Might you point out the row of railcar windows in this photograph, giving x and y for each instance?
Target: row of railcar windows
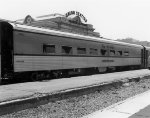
(51, 49)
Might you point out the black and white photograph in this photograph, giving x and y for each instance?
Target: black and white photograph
(75, 59)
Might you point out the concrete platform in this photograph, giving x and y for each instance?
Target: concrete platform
(23, 93)
(135, 107)
(33, 89)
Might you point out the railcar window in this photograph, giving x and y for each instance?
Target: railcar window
(126, 53)
(120, 53)
(112, 52)
(48, 48)
(103, 52)
(81, 50)
(67, 50)
(93, 51)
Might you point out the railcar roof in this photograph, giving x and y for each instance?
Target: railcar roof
(67, 34)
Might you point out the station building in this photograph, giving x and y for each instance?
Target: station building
(72, 21)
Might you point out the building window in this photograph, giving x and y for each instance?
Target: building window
(48, 48)
(81, 50)
(93, 51)
(103, 52)
(67, 50)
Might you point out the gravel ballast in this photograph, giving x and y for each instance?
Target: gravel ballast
(80, 103)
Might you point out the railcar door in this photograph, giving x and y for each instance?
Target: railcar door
(6, 39)
(144, 57)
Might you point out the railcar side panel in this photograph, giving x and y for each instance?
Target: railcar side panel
(29, 56)
(37, 63)
(40, 63)
(31, 43)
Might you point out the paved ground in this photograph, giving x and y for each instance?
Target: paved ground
(31, 89)
(135, 107)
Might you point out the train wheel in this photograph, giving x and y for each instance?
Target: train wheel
(48, 76)
(102, 69)
(57, 74)
(66, 74)
(111, 69)
(34, 76)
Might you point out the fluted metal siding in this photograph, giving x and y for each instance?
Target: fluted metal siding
(35, 63)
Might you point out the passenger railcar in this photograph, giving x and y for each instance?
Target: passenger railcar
(35, 53)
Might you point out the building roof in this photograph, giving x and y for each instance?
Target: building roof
(62, 23)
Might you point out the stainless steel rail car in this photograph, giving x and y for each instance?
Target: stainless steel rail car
(34, 52)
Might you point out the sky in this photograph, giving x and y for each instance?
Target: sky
(113, 19)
